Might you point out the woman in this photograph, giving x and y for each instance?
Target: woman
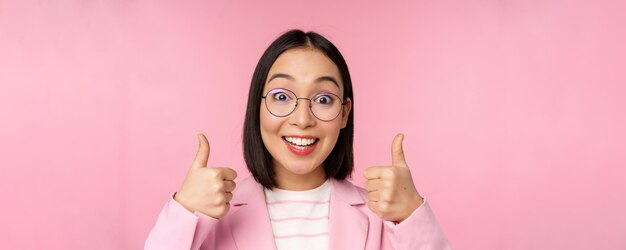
(298, 136)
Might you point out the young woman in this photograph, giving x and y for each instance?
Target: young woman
(298, 136)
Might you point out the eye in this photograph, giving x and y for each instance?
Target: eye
(281, 96)
(324, 99)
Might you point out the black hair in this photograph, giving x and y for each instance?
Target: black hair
(339, 164)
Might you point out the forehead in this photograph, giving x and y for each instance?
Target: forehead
(305, 65)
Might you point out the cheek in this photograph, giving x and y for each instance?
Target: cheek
(265, 124)
(269, 124)
(333, 129)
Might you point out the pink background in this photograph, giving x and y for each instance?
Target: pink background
(514, 111)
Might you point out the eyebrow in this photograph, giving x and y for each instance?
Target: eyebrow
(291, 78)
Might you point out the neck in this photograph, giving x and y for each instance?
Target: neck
(299, 182)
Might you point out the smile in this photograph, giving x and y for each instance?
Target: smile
(300, 145)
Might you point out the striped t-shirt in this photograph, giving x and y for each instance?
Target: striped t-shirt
(299, 218)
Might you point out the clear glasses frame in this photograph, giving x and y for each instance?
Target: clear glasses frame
(297, 101)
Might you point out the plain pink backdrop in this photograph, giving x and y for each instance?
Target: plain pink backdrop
(514, 111)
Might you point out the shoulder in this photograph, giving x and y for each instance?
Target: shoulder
(247, 190)
(248, 182)
(362, 191)
(349, 192)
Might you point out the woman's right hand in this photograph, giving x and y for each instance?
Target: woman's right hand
(207, 190)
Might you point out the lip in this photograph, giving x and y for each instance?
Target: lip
(301, 136)
(298, 151)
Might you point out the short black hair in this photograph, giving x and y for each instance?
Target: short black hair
(340, 163)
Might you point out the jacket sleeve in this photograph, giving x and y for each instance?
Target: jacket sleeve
(178, 228)
(419, 231)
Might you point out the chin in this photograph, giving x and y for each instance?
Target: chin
(301, 168)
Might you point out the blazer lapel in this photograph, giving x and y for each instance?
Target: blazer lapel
(250, 223)
(347, 225)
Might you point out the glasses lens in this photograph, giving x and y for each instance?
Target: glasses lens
(280, 102)
(326, 106)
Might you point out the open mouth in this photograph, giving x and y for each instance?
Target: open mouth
(300, 145)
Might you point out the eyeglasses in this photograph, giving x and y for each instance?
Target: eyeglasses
(282, 102)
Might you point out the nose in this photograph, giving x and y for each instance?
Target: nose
(302, 116)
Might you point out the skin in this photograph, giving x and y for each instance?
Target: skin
(391, 192)
(304, 66)
(207, 189)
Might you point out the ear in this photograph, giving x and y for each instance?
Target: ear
(346, 112)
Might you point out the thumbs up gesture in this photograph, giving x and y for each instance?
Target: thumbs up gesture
(391, 192)
(207, 190)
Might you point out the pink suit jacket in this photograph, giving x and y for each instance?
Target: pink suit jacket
(247, 225)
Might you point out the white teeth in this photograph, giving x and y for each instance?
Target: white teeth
(300, 141)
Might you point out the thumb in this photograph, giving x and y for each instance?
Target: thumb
(397, 154)
(202, 157)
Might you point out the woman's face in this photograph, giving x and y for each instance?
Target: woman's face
(306, 72)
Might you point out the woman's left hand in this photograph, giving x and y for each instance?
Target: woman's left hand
(391, 192)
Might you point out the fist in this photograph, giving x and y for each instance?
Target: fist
(207, 190)
(391, 192)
